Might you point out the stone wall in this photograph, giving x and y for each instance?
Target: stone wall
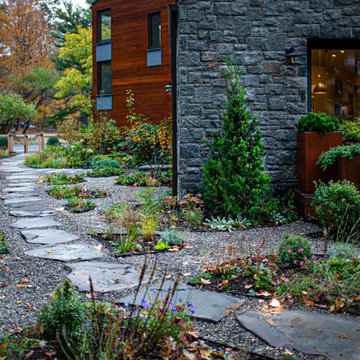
(258, 32)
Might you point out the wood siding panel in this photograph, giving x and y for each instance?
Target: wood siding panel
(129, 36)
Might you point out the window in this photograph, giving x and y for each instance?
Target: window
(335, 82)
(104, 21)
(104, 71)
(154, 31)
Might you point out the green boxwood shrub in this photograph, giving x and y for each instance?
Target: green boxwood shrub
(294, 250)
(337, 206)
(350, 131)
(319, 122)
(53, 141)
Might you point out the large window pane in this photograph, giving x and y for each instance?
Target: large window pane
(154, 31)
(335, 82)
(104, 69)
(104, 25)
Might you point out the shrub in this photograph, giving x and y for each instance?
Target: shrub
(235, 181)
(171, 237)
(106, 163)
(149, 143)
(345, 251)
(3, 142)
(294, 250)
(53, 141)
(64, 312)
(350, 130)
(319, 122)
(329, 157)
(337, 206)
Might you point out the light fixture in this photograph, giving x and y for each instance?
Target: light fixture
(320, 88)
(168, 88)
(333, 55)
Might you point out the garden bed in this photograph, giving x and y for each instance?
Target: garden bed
(109, 242)
(79, 209)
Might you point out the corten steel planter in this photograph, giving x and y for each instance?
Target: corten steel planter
(349, 169)
(309, 146)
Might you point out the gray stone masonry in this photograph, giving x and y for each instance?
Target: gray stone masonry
(258, 32)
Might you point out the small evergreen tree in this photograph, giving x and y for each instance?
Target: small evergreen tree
(234, 180)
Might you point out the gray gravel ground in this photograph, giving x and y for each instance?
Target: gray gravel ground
(18, 303)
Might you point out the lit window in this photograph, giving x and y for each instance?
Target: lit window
(104, 25)
(335, 82)
(104, 70)
(154, 31)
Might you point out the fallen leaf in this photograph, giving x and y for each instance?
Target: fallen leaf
(342, 336)
(29, 354)
(247, 287)
(7, 269)
(275, 303)
(20, 285)
(270, 321)
(42, 343)
(19, 302)
(28, 309)
(287, 352)
(50, 251)
(205, 281)
(185, 263)
(186, 274)
(25, 280)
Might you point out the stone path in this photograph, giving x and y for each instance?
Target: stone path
(35, 220)
(312, 333)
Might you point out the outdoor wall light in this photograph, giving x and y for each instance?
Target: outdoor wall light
(292, 54)
(168, 88)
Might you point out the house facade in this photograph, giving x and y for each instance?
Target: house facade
(296, 56)
(131, 52)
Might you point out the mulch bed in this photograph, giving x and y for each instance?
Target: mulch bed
(149, 246)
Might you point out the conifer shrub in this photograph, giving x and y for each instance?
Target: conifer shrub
(234, 179)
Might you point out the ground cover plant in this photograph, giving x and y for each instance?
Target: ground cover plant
(235, 182)
(3, 247)
(64, 192)
(63, 179)
(79, 204)
(155, 178)
(351, 130)
(329, 157)
(294, 275)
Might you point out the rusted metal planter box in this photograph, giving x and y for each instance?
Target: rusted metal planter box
(349, 169)
(309, 146)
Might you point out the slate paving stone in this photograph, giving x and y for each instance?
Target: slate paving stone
(20, 189)
(28, 212)
(21, 202)
(48, 236)
(67, 252)
(312, 333)
(24, 178)
(20, 185)
(209, 306)
(105, 276)
(16, 195)
(35, 223)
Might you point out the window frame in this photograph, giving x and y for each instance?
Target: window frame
(150, 47)
(325, 44)
(99, 73)
(99, 27)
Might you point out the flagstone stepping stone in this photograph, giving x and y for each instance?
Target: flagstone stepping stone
(48, 236)
(20, 202)
(312, 333)
(68, 252)
(105, 276)
(20, 189)
(16, 195)
(208, 305)
(34, 223)
(20, 185)
(29, 212)
(18, 178)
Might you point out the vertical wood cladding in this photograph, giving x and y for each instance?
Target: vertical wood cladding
(130, 42)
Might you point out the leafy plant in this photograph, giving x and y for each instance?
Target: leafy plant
(171, 237)
(234, 178)
(63, 179)
(149, 226)
(191, 210)
(105, 172)
(78, 204)
(103, 163)
(329, 157)
(64, 313)
(65, 191)
(129, 242)
(162, 245)
(132, 179)
(3, 142)
(53, 141)
(318, 122)
(294, 251)
(350, 130)
(337, 206)
(3, 247)
(345, 251)
(220, 224)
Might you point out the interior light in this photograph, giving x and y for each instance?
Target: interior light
(342, 51)
(333, 55)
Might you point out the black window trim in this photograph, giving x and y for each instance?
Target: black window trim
(99, 26)
(330, 44)
(153, 48)
(99, 78)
